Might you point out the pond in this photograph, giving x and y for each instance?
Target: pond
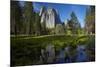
(64, 55)
(52, 50)
(81, 54)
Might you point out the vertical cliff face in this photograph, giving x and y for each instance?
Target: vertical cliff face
(49, 17)
(42, 14)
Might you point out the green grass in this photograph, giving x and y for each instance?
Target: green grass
(25, 50)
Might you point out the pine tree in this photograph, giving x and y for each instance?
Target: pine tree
(28, 18)
(37, 25)
(90, 20)
(59, 29)
(73, 24)
(16, 16)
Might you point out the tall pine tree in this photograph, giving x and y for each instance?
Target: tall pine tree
(16, 16)
(73, 24)
(90, 20)
(37, 24)
(28, 18)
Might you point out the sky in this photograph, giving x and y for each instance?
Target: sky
(64, 10)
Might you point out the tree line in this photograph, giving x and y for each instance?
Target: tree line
(24, 20)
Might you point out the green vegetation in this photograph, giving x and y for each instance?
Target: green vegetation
(24, 20)
(90, 20)
(26, 50)
(29, 35)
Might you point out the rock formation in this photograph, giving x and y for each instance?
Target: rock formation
(49, 17)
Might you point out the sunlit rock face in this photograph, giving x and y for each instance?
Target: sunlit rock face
(49, 17)
(42, 14)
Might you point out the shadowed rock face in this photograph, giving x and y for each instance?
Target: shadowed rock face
(50, 17)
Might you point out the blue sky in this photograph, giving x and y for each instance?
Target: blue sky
(64, 10)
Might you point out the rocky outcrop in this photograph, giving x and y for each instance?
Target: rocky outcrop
(49, 17)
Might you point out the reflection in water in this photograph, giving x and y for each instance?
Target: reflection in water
(48, 55)
(61, 57)
(81, 53)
